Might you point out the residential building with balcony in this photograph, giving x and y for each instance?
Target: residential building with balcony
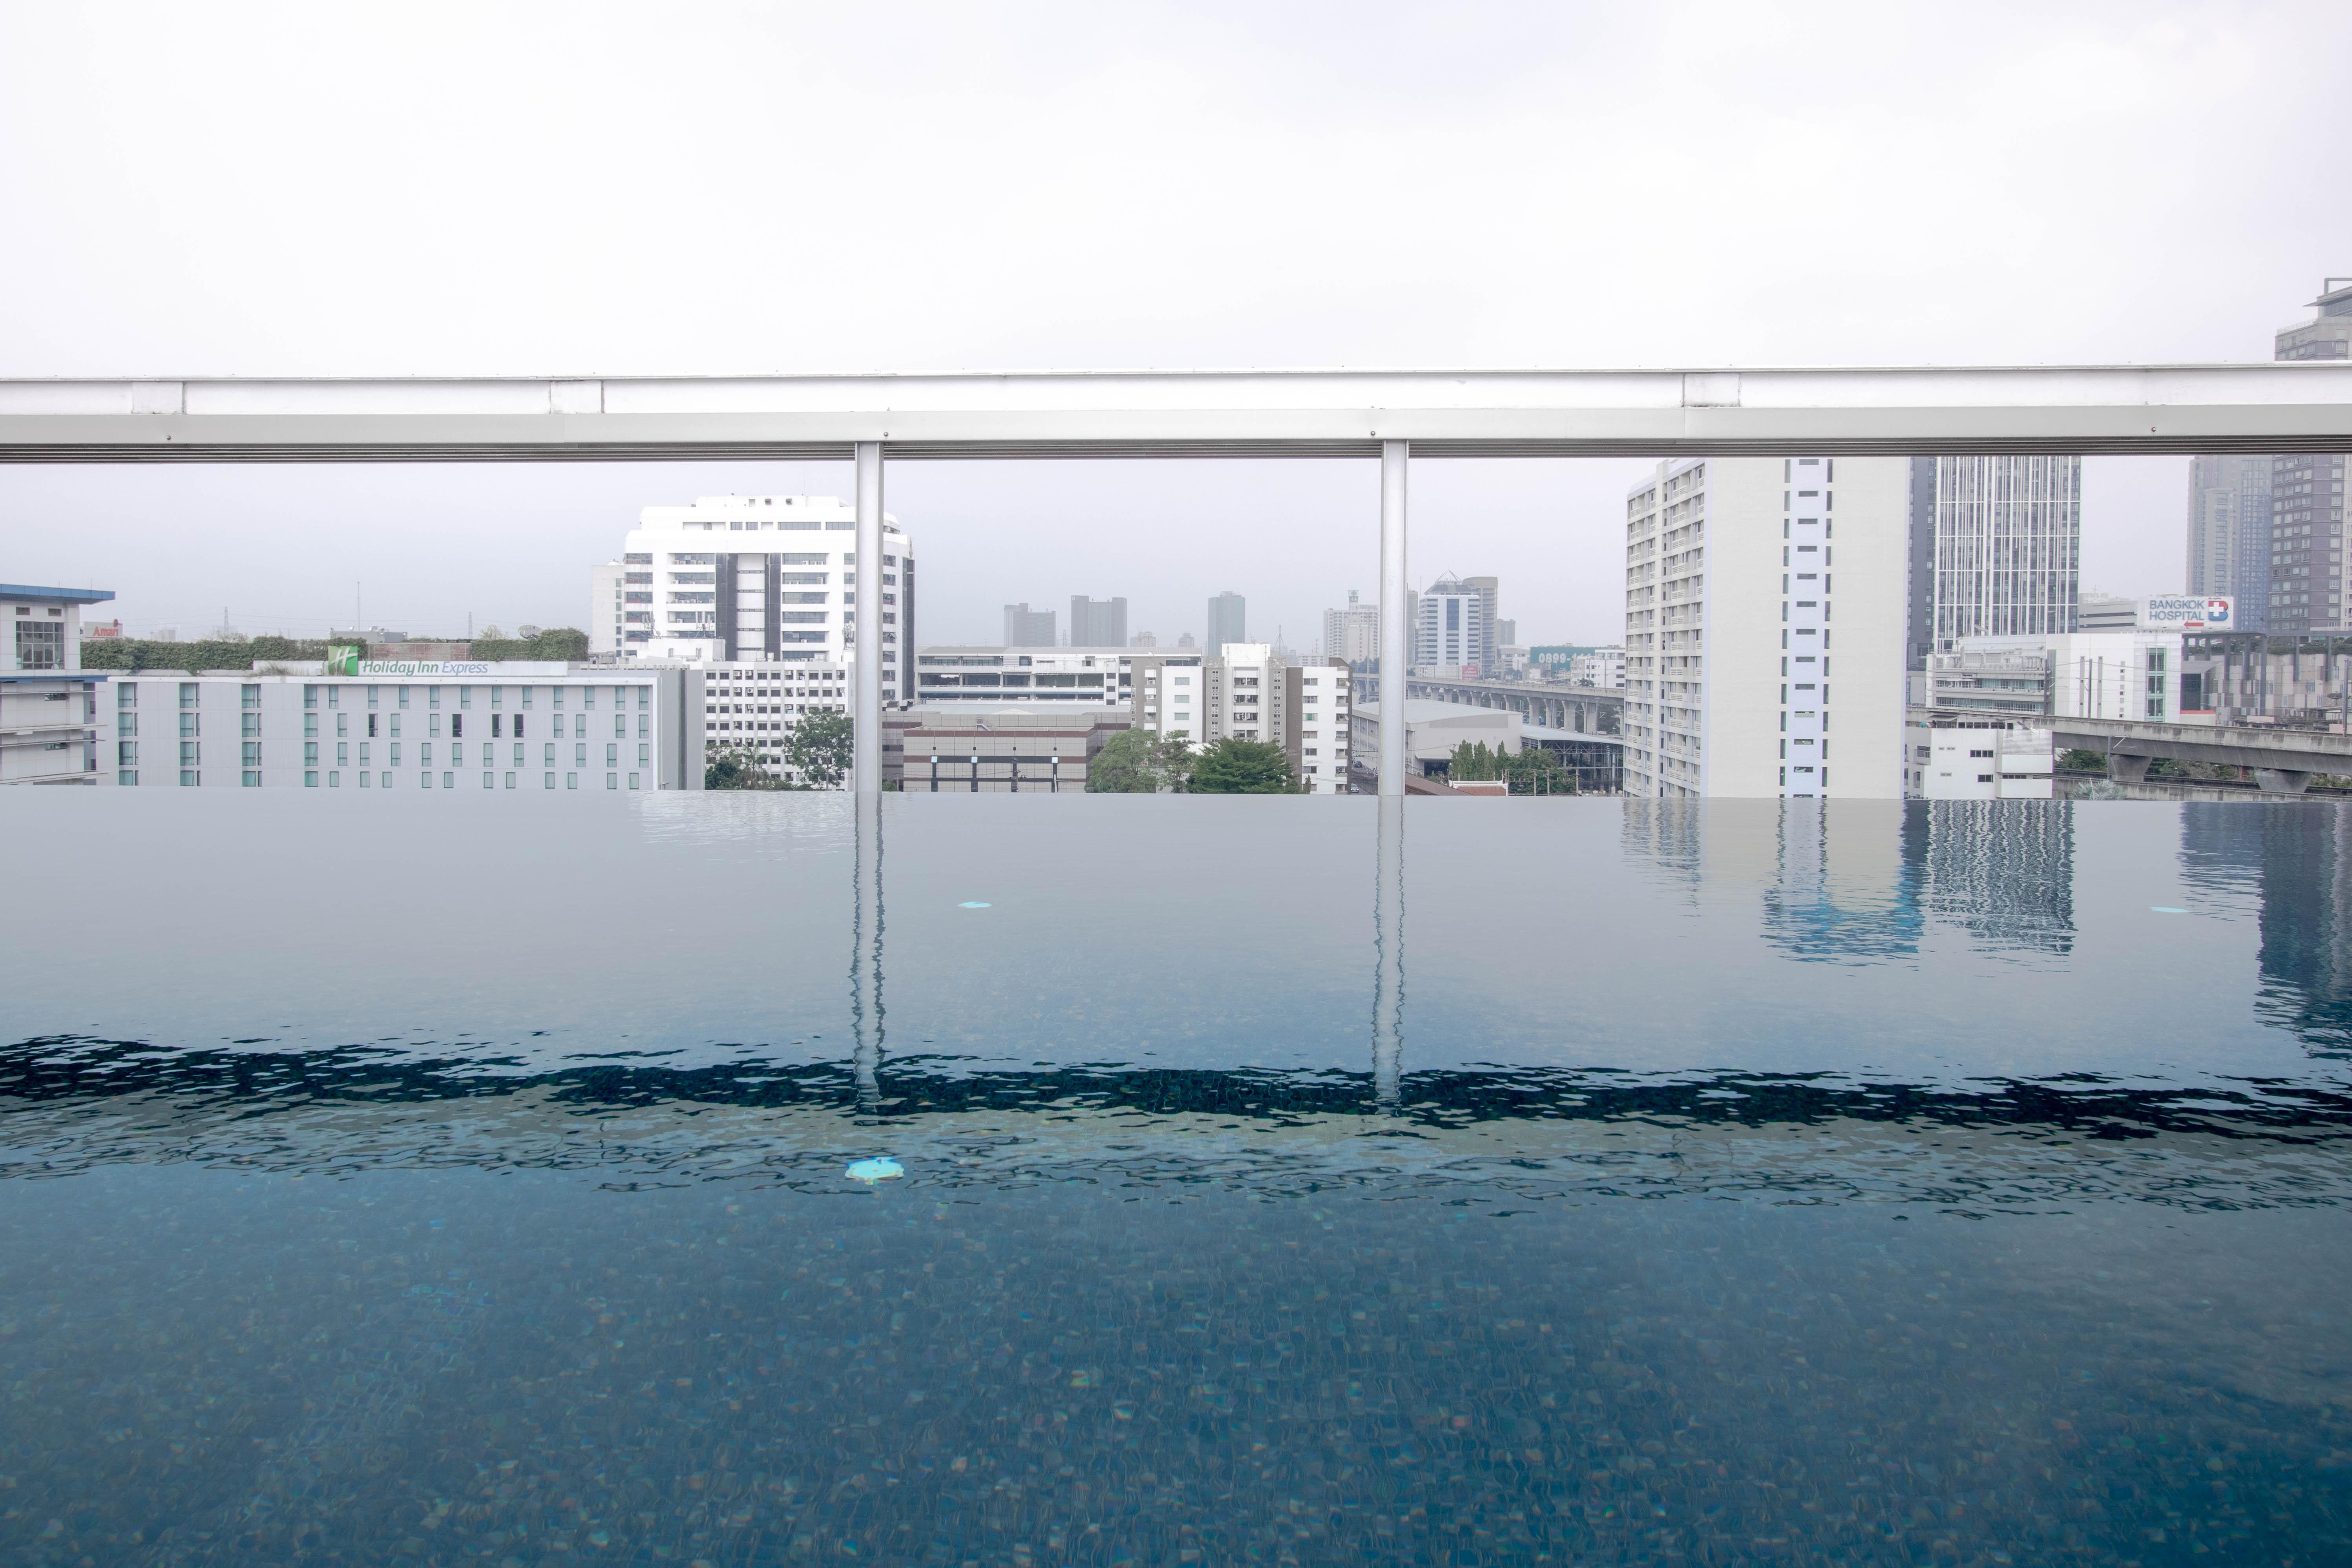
(1765, 625)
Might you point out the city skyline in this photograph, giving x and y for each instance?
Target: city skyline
(1239, 110)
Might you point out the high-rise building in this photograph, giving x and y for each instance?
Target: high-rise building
(1729, 639)
(1453, 634)
(2000, 542)
(1228, 620)
(1490, 597)
(1354, 633)
(2229, 535)
(739, 579)
(1097, 623)
(1026, 628)
(1507, 633)
(2310, 582)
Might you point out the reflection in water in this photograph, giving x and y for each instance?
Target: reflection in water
(1860, 881)
(2298, 855)
(2003, 871)
(865, 1006)
(1848, 885)
(1388, 957)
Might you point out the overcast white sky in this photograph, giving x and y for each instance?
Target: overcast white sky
(605, 189)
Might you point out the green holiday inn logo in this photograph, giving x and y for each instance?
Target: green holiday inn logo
(343, 658)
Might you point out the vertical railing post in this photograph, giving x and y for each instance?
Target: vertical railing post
(1388, 950)
(1395, 633)
(865, 649)
(867, 1017)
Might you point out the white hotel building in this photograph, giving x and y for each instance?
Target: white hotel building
(691, 586)
(545, 729)
(1760, 662)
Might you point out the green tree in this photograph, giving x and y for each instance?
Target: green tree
(1530, 770)
(1172, 758)
(823, 749)
(1533, 770)
(2081, 762)
(1124, 765)
(734, 768)
(1242, 767)
(1471, 763)
(1137, 762)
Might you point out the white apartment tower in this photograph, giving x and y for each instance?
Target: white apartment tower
(1737, 610)
(691, 585)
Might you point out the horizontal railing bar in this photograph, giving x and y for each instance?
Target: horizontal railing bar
(2251, 408)
(986, 451)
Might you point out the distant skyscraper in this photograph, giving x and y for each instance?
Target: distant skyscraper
(2006, 540)
(1490, 595)
(2229, 535)
(1145, 639)
(1228, 620)
(1353, 633)
(2309, 589)
(1452, 630)
(1185, 640)
(1026, 628)
(1097, 623)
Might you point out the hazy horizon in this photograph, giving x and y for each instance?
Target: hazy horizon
(603, 190)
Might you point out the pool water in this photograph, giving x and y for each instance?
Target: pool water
(1010, 1180)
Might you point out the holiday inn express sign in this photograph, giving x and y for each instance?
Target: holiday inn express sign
(343, 658)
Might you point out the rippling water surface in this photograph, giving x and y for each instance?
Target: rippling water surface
(439, 1181)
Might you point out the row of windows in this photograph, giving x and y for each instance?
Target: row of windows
(191, 695)
(190, 754)
(251, 779)
(502, 725)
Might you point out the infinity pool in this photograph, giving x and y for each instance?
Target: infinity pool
(1240, 1180)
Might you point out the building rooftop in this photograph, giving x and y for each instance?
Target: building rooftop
(55, 595)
